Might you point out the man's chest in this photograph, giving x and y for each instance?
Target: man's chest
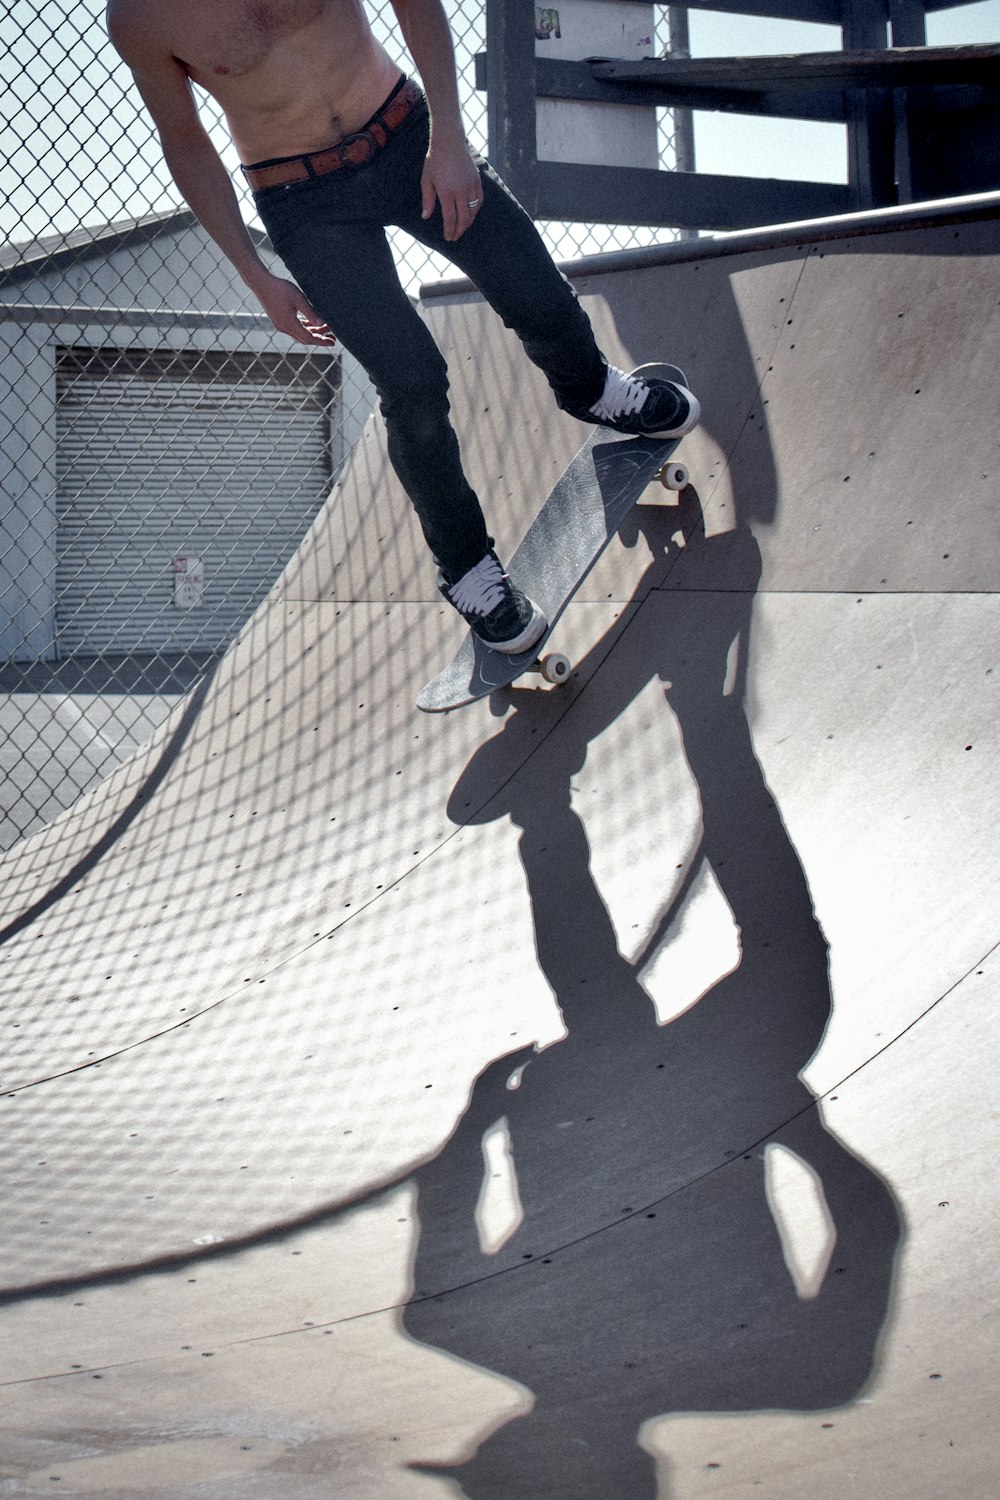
(236, 36)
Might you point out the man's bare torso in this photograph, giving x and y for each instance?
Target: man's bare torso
(290, 75)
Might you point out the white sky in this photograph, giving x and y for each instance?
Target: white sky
(77, 148)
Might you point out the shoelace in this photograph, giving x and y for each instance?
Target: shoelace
(622, 395)
(481, 589)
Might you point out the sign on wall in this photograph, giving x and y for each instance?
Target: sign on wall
(189, 582)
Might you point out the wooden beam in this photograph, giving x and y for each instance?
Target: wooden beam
(679, 200)
(823, 11)
(871, 122)
(575, 80)
(510, 83)
(894, 67)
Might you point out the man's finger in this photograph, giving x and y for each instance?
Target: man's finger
(449, 216)
(467, 206)
(464, 220)
(305, 330)
(309, 327)
(318, 331)
(306, 334)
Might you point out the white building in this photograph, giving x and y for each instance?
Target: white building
(162, 449)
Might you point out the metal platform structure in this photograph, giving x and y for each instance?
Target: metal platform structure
(921, 122)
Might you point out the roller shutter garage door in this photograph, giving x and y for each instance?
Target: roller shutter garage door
(163, 455)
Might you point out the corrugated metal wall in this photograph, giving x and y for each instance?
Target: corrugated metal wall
(157, 452)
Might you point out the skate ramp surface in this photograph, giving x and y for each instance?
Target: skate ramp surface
(593, 1092)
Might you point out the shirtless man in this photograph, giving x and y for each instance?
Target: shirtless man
(337, 144)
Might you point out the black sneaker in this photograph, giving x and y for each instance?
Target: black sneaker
(646, 407)
(494, 608)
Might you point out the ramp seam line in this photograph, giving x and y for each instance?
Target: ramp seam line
(178, 1259)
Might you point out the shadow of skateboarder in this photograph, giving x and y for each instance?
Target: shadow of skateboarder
(646, 1274)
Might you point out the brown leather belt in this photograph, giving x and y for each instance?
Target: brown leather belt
(354, 150)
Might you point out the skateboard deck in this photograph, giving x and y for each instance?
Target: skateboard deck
(588, 503)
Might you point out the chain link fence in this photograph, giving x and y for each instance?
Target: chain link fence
(162, 450)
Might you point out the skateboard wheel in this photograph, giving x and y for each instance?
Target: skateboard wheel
(673, 476)
(554, 667)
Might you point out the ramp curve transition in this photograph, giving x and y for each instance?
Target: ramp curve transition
(591, 1093)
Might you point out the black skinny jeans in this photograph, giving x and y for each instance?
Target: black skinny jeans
(330, 233)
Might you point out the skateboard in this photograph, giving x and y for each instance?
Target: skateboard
(588, 503)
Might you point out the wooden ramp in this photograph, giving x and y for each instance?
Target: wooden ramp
(592, 1093)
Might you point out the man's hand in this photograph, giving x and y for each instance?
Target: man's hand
(290, 312)
(451, 178)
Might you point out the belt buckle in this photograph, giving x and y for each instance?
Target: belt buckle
(367, 139)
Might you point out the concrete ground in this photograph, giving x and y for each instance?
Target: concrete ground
(591, 1093)
(65, 726)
